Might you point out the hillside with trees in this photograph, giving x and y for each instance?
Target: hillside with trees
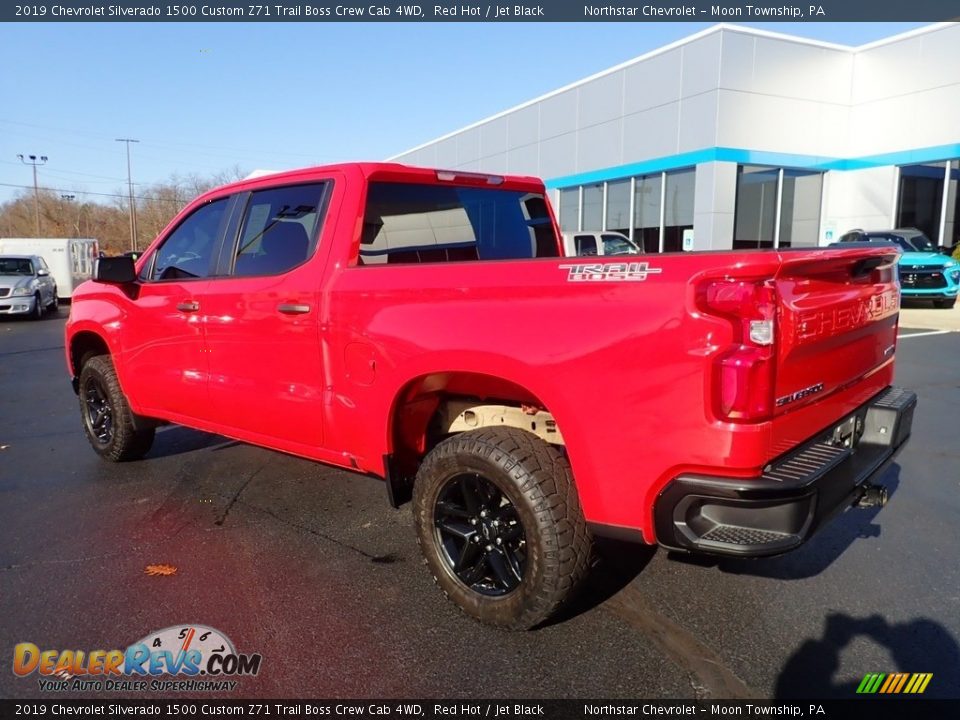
(79, 214)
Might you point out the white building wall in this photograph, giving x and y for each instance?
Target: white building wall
(750, 97)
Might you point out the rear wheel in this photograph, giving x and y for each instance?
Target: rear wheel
(500, 526)
(107, 419)
(54, 305)
(945, 303)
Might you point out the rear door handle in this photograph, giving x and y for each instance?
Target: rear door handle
(191, 306)
(293, 309)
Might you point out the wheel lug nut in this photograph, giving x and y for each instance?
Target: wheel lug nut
(489, 548)
(473, 521)
(499, 541)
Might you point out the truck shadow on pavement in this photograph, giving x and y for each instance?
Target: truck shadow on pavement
(178, 440)
(815, 556)
(615, 565)
(920, 645)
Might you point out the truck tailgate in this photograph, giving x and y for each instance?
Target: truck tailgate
(837, 322)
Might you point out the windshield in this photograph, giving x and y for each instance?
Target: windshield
(15, 266)
(920, 243)
(615, 245)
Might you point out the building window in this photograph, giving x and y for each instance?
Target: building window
(760, 223)
(618, 206)
(800, 208)
(951, 222)
(923, 204)
(569, 209)
(678, 208)
(592, 207)
(756, 209)
(646, 212)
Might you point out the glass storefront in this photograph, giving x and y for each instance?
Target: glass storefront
(661, 206)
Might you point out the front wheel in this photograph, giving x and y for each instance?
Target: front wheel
(107, 419)
(499, 523)
(37, 312)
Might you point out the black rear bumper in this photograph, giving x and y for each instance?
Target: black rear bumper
(796, 494)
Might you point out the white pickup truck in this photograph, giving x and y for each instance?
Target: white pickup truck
(606, 242)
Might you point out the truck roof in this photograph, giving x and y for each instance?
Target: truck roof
(367, 169)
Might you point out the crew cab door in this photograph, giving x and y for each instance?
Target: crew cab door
(164, 364)
(262, 320)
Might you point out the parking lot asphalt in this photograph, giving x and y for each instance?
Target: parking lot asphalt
(308, 566)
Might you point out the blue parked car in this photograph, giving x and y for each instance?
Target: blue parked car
(925, 274)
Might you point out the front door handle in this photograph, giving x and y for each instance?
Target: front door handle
(293, 309)
(191, 306)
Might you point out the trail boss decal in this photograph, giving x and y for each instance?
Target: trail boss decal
(613, 272)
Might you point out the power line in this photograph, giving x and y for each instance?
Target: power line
(89, 192)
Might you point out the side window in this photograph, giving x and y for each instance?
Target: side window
(585, 244)
(420, 223)
(188, 251)
(279, 230)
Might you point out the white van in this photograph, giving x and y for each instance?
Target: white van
(598, 243)
(70, 260)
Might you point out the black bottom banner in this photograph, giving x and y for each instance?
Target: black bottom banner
(869, 709)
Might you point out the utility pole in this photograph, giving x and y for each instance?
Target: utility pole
(34, 161)
(70, 199)
(133, 207)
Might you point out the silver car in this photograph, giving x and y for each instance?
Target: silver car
(26, 287)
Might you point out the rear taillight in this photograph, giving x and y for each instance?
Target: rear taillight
(742, 385)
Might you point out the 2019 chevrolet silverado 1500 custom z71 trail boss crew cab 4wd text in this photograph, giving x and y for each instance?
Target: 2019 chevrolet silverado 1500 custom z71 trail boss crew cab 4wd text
(421, 326)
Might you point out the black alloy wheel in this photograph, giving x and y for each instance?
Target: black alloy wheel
(114, 432)
(499, 524)
(99, 412)
(481, 535)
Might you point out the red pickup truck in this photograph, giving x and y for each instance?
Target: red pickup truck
(421, 326)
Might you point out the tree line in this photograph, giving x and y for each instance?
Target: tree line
(72, 214)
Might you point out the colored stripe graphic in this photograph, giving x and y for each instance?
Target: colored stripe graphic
(894, 683)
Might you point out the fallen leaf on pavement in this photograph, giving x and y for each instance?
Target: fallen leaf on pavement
(160, 570)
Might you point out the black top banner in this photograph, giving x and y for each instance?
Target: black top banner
(467, 11)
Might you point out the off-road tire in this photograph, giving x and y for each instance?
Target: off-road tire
(535, 478)
(126, 441)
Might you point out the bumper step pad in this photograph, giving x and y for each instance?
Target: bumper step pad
(794, 495)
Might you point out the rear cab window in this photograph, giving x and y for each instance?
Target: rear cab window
(585, 244)
(408, 223)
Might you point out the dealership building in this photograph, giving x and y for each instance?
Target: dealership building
(738, 137)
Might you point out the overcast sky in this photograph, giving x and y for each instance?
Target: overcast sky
(204, 97)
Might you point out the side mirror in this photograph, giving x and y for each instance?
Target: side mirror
(115, 270)
(42, 273)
